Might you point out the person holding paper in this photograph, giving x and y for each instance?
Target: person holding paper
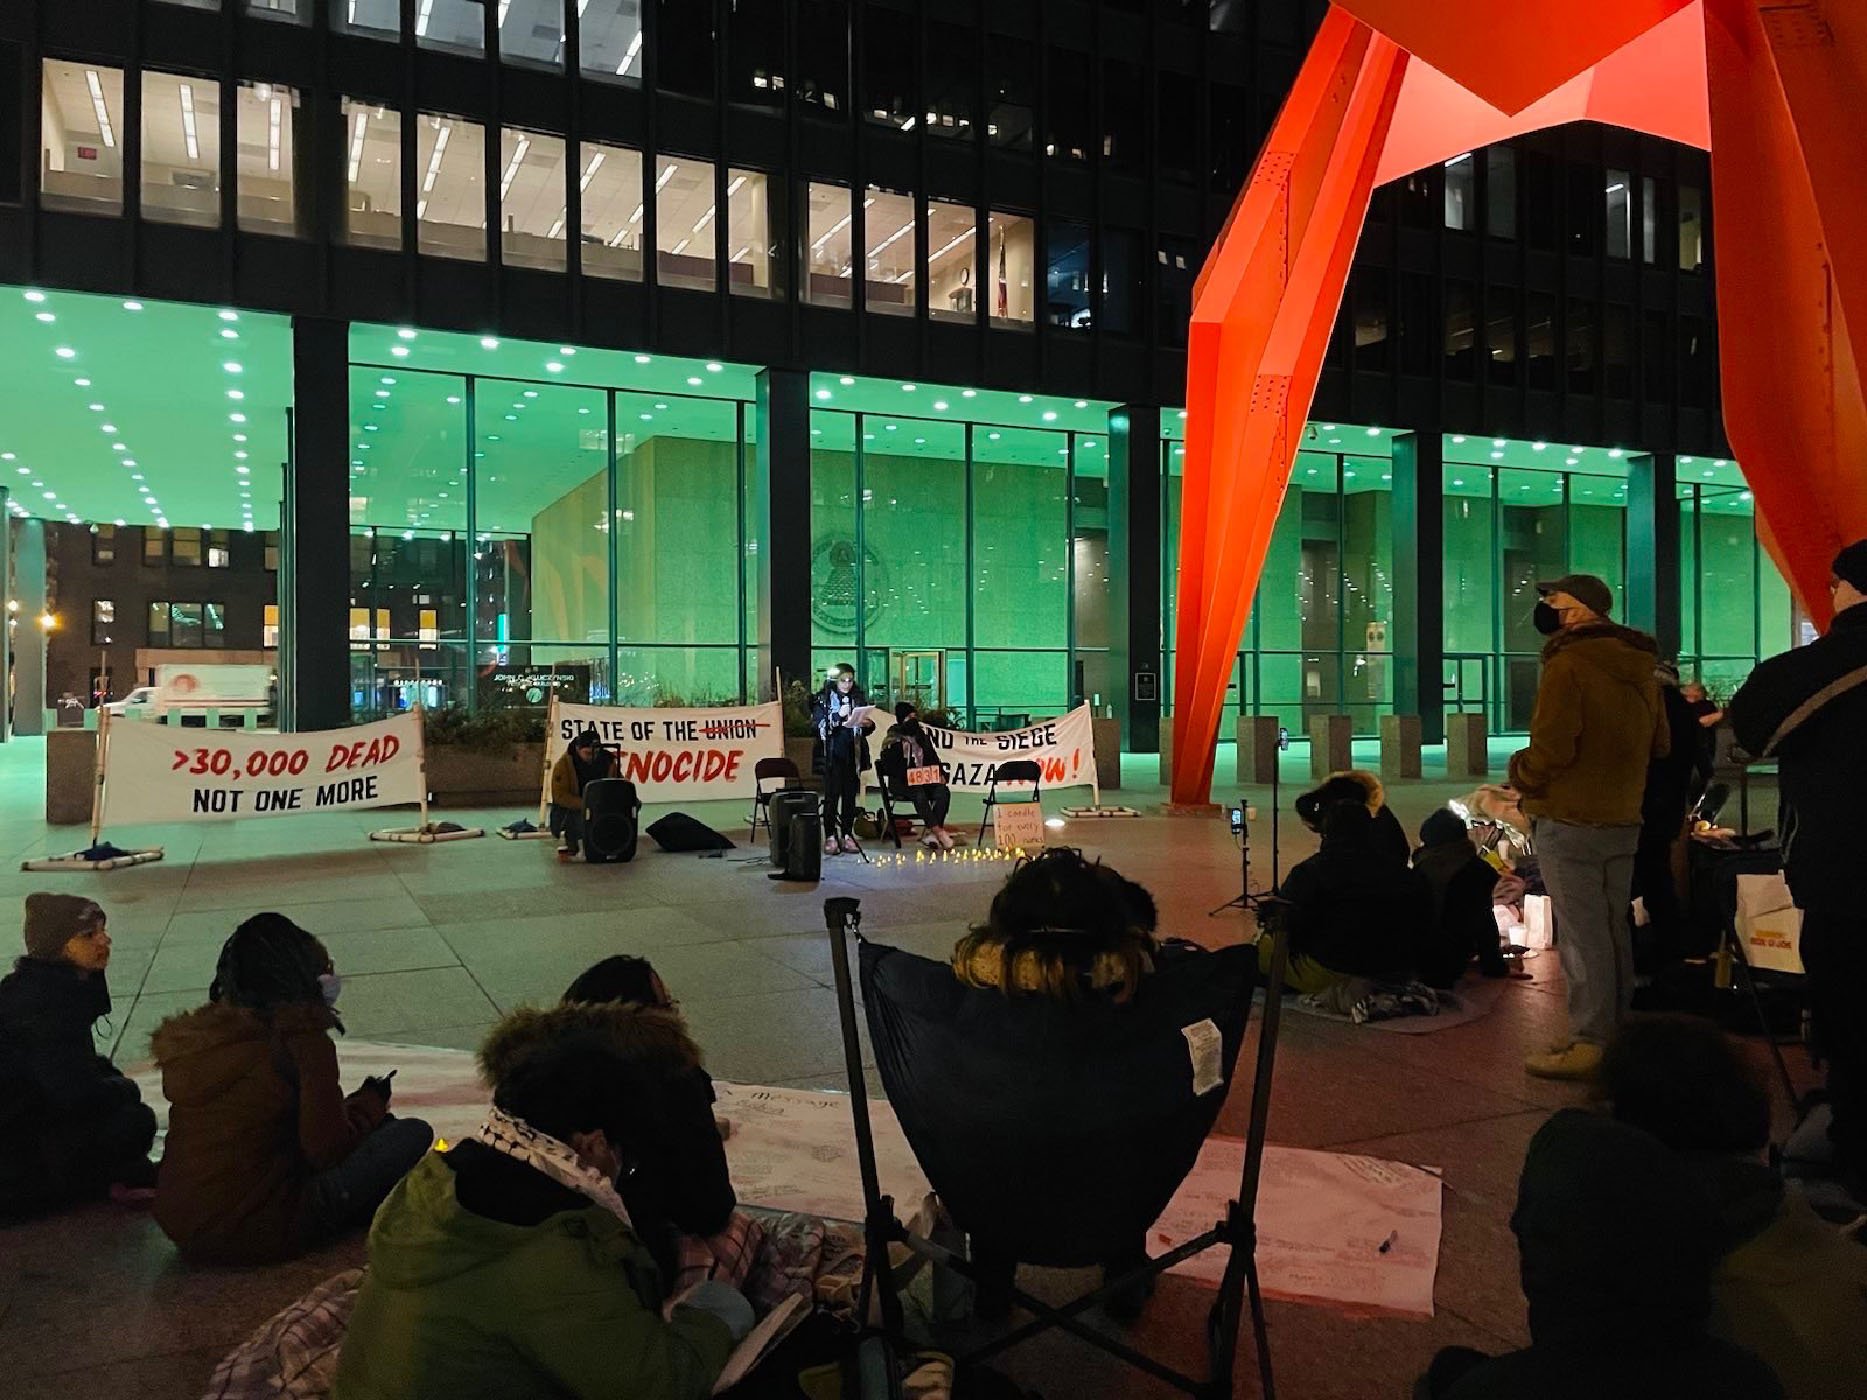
(509, 1265)
(841, 714)
(908, 754)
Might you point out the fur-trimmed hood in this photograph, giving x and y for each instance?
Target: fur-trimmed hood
(648, 1034)
(203, 1051)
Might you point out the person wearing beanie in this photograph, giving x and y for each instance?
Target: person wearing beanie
(907, 747)
(1462, 926)
(581, 764)
(1807, 709)
(1598, 722)
(71, 1127)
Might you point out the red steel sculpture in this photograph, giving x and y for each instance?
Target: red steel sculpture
(1392, 86)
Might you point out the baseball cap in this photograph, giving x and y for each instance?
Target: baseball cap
(1586, 589)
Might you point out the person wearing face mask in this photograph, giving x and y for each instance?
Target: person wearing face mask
(265, 1155)
(71, 1126)
(1598, 723)
(1808, 710)
(510, 1264)
(842, 755)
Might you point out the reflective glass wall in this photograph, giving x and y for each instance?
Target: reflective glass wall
(1734, 607)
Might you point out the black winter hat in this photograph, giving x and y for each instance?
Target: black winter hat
(903, 710)
(1442, 828)
(1850, 565)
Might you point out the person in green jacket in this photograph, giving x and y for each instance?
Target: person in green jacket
(507, 1266)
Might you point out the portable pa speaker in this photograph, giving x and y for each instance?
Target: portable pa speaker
(610, 810)
(785, 804)
(803, 855)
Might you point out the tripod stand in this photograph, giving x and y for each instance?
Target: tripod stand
(1253, 901)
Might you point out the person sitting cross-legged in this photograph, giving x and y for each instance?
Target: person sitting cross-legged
(1461, 884)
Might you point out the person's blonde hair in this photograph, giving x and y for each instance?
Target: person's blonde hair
(1060, 924)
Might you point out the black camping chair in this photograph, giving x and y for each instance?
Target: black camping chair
(1057, 1132)
(1019, 770)
(765, 770)
(891, 786)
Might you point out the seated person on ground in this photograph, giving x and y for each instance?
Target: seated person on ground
(265, 1157)
(71, 1126)
(1354, 785)
(1461, 883)
(1617, 1243)
(1789, 1286)
(1353, 910)
(905, 748)
(508, 1265)
(581, 764)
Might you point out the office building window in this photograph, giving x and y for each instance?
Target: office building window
(1579, 335)
(613, 212)
(952, 261)
(286, 10)
(611, 35)
(531, 200)
(456, 25)
(1542, 200)
(272, 551)
(217, 545)
(888, 58)
(1620, 213)
(268, 115)
(1070, 133)
(1124, 116)
(1461, 332)
(531, 32)
(1617, 351)
(1461, 192)
(1649, 220)
(193, 4)
(1012, 254)
(1371, 290)
(80, 158)
(888, 279)
(1176, 266)
(269, 631)
(1691, 229)
(952, 81)
(1010, 71)
(1656, 355)
(1539, 340)
(103, 544)
(1694, 362)
(685, 43)
(1124, 283)
(755, 52)
(1416, 203)
(373, 175)
(823, 62)
(190, 625)
(1232, 146)
(181, 149)
(185, 547)
(684, 210)
(375, 19)
(103, 622)
(158, 624)
(1584, 209)
(828, 214)
(1419, 323)
(155, 546)
(451, 212)
(1501, 192)
(1501, 335)
(1066, 275)
(1176, 112)
(753, 264)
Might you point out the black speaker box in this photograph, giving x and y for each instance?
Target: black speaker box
(784, 805)
(803, 856)
(610, 811)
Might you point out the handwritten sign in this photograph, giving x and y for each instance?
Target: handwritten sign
(1017, 825)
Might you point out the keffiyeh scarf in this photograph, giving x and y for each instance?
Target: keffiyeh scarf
(519, 1140)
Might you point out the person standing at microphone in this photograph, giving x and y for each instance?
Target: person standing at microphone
(842, 754)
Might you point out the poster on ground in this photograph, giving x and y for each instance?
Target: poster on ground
(672, 755)
(163, 773)
(1063, 748)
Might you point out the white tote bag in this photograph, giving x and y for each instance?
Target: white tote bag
(1768, 923)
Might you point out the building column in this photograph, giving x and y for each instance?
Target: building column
(1652, 601)
(29, 634)
(1418, 637)
(1135, 572)
(781, 527)
(6, 616)
(314, 527)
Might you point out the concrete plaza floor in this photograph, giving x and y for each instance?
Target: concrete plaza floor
(436, 942)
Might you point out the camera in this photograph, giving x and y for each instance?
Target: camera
(1237, 814)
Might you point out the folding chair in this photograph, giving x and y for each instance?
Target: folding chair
(764, 769)
(1019, 770)
(1057, 1132)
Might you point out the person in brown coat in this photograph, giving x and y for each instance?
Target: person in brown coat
(265, 1156)
(585, 761)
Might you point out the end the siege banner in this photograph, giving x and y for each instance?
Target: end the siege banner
(165, 773)
(676, 755)
(1064, 749)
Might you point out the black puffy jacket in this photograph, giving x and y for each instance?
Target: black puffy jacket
(49, 1066)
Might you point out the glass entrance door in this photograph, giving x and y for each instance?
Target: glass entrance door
(920, 677)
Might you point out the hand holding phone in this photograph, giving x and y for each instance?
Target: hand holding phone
(381, 1085)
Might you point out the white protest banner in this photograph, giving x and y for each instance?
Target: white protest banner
(1064, 749)
(675, 755)
(160, 773)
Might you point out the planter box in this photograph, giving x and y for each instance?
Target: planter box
(1107, 745)
(508, 777)
(1257, 748)
(1400, 746)
(1467, 753)
(1330, 737)
(70, 775)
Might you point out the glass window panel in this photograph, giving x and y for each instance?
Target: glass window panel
(1501, 334)
(1583, 359)
(1229, 132)
(1066, 275)
(1533, 545)
(1461, 192)
(531, 199)
(1649, 220)
(823, 63)
(299, 10)
(185, 547)
(213, 623)
(80, 128)
(1470, 599)
(952, 261)
(1010, 73)
(1367, 590)
(1124, 116)
(1176, 99)
(1539, 326)
(451, 156)
(755, 43)
(754, 262)
(1542, 200)
(1501, 192)
(1124, 283)
(1727, 569)
(887, 70)
(1011, 253)
(684, 235)
(1656, 355)
(1371, 287)
(408, 450)
(158, 624)
(373, 175)
(155, 546)
(1617, 352)
(914, 544)
(1691, 229)
(1176, 266)
(219, 549)
(103, 544)
(1020, 583)
(185, 628)
(1094, 680)
(1416, 201)
(103, 621)
(952, 81)
(408, 620)
(1620, 213)
(456, 25)
(1461, 331)
(828, 214)
(611, 35)
(685, 42)
(181, 149)
(531, 32)
(1598, 531)
(1688, 575)
(1071, 111)
(1421, 328)
(1585, 209)
(834, 583)
(613, 215)
(888, 279)
(268, 116)
(1695, 362)
(375, 19)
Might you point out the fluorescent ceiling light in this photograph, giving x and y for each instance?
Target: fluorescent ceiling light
(634, 52)
(704, 219)
(512, 166)
(667, 174)
(95, 84)
(950, 245)
(835, 229)
(596, 164)
(737, 185)
(188, 131)
(434, 161)
(272, 135)
(898, 234)
(421, 20)
(356, 145)
(680, 247)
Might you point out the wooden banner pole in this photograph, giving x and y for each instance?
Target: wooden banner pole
(421, 728)
(97, 777)
(544, 786)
